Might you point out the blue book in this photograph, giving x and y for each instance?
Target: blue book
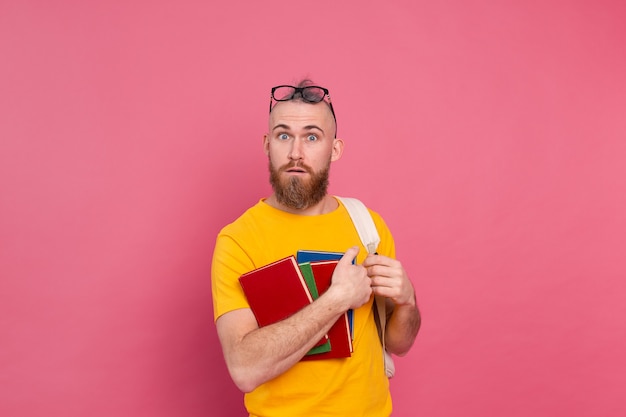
(315, 255)
(303, 256)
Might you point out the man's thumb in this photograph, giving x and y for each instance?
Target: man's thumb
(350, 255)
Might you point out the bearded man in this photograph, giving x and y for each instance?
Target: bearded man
(266, 362)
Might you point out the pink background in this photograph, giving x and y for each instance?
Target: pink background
(491, 137)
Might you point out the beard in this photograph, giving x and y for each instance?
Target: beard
(298, 193)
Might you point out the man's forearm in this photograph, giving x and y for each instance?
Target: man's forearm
(402, 328)
(266, 352)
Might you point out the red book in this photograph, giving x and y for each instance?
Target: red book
(339, 333)
(276, 291)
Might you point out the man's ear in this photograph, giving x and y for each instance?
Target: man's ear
(266, 144)
(337, 150)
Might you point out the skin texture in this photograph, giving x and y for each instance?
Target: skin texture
(300, 143)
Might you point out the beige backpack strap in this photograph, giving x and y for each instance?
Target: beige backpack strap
(366, 228)
(380, 316)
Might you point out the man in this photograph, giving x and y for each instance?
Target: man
(265, 362)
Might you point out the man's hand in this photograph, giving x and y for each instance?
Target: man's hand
(350, 283)
(389, 279)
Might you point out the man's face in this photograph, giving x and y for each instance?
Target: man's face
(300, 146)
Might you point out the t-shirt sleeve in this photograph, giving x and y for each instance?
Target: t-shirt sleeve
(229, 262)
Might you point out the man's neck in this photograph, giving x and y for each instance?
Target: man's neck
(326, 205)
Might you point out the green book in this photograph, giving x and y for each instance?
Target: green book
(307, 273)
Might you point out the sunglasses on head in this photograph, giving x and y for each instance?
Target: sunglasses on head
(309, 94)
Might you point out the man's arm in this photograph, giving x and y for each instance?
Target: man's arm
(255, 355)
(389, 279)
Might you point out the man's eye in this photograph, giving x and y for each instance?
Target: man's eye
(283, 136)
(311, 138)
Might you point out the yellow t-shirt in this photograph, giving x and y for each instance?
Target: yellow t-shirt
(355, 386)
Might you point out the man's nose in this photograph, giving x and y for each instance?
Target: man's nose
(296, 150)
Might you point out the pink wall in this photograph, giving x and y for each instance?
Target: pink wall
(491, 137)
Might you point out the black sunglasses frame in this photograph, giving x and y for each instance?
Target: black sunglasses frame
(300, 90)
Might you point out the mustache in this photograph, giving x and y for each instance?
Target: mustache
(295, 164)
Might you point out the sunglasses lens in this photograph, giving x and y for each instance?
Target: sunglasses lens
(313, 94)
(284, 92)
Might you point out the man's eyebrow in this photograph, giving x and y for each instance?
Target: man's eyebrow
(308, 127)
(280, 126)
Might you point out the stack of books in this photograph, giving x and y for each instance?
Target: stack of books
(280, 289)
